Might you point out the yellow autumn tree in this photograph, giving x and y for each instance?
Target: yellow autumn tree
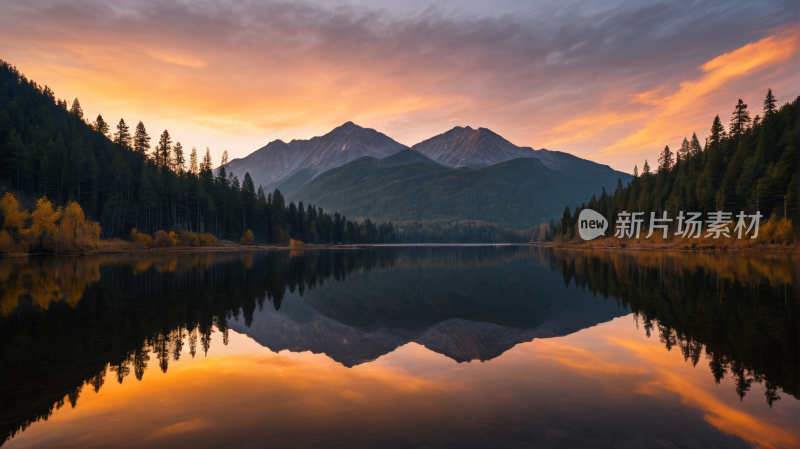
(76, 232)
(247, 238)
(50, 229)
(44, 232)
(13, 217)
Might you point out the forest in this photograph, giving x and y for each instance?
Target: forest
(750, 167)
(519, 193)
(125, 180)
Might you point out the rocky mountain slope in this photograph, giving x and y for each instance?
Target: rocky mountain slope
(278, 161)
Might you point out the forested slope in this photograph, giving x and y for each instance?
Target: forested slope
(520, 193)
(48, 148)
(751, 166)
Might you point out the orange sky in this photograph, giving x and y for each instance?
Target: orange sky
(613, 84)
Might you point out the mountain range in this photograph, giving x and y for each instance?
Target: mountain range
(464, 173)
(298, 327)
(295, 163)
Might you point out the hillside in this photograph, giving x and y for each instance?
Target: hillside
(520, 193)
(752, 167)
(48, 149)
(274, 164)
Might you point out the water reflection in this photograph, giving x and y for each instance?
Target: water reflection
(73, 324)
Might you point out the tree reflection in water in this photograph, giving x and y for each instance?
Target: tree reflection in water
(69, 324)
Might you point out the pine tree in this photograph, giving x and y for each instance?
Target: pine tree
(665, 160)
(141, 141)
(76, 160)
(740, 120)
(769, 104)
(695, 146)
(76, 109)
(180, 161)
(100, 125)
(193, 162)
(123, 136)
(164, 150)
(684, 151)
(645, 168)
(13, 155)
(207, 165)
(717, 131)
(224, 158)
(635, 171)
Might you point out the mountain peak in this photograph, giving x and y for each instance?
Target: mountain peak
(277, 163)
(468, 147)
(348, 126)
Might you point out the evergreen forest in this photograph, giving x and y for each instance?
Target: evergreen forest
(751, 166)
(125, 179)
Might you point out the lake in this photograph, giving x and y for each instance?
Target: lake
(473, 346)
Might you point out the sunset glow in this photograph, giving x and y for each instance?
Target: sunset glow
(413, 385)
(238, 76)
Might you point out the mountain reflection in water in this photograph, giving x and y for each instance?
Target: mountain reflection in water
(71, 325)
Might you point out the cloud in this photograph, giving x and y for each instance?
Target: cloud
(221, 73)
(177, 60)
(678, 110)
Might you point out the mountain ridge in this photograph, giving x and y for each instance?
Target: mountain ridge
(276, 162)
(289, 166)
(519, 193)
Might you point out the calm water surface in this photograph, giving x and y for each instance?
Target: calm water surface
(400, 347)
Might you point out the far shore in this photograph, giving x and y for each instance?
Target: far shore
(670, 247)
(234, 247)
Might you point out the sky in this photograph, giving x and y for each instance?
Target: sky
(612, 81)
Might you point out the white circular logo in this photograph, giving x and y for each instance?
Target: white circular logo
(591, 224)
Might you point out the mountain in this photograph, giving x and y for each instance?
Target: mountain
(473, 148)
(275, 164)
(519, 193)
(297, 327)
(476, 148)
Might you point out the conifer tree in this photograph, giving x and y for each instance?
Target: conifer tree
(76, 109)
(717, 131)
(13, 155)
(76, 159)
(180, 161)
(193, 162)
(100, 125)
(141, 141)
(740, 120)
(123, 136)
(207, 165)
(645, 168)
(684, 151)
(224, 158)
(665, 160)
(769, 104)
(164, 150)
(695, 146)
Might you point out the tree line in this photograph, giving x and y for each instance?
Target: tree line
(751, 167)
(124, 182)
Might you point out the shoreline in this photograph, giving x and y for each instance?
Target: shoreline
(773, 249)
(752, 249)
